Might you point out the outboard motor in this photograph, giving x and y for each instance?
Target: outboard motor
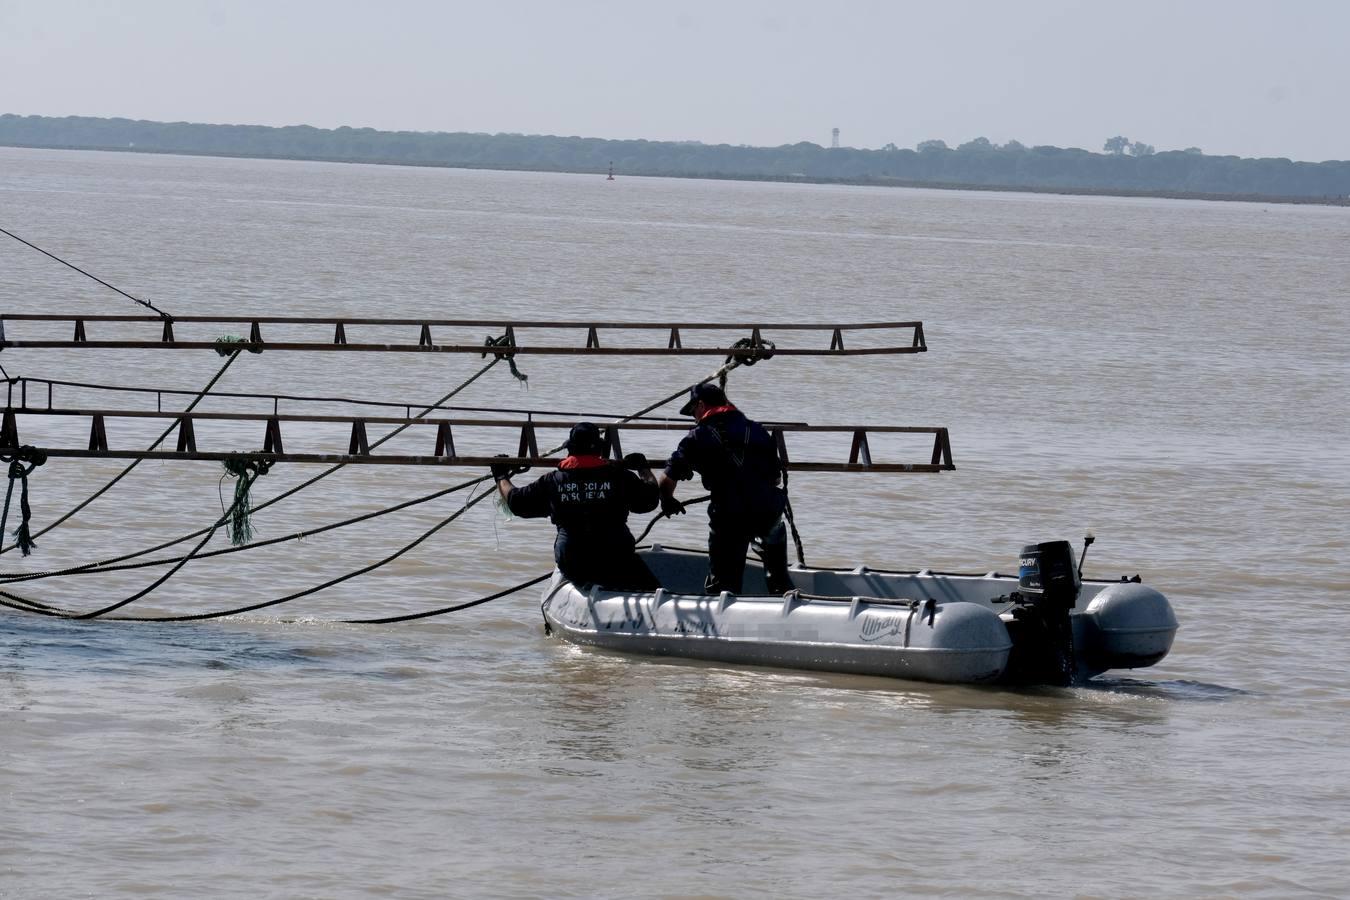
(1047, 589)
(1049, 573)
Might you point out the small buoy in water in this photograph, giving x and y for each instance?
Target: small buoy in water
(611, 172)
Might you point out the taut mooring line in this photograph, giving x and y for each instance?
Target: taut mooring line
(146, 303)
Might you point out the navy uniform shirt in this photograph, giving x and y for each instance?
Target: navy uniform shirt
(589, 501)
(738, 462)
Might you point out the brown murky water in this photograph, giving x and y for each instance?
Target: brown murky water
(1171, 374)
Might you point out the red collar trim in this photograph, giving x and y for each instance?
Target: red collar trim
(716, 410)
(583, 461)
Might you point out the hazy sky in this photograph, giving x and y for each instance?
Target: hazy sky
(1247, 77)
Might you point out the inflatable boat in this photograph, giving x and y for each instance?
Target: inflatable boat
(1045, 625)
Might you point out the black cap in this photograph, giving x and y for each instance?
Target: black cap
(707, 393)
(584, 438)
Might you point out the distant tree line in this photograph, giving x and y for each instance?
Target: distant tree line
(1124, 166)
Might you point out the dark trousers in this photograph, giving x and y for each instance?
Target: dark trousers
(728, 543)
(614, 568)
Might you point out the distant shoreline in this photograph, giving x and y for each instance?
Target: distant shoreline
(861, 181)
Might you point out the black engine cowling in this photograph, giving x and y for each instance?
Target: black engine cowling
(1047, 589)
(1048, 573)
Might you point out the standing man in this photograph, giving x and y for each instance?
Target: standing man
(739, 464)
(589, 497)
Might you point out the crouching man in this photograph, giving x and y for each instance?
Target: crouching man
(589, 497)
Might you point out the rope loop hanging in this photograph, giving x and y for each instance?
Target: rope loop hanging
(246, 471)
(18, 471)
(506, 340)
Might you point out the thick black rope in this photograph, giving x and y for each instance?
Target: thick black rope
(762, 350)
(19, 472)
(704, 499)
(146, 303)
(135, 462)
(251, 476)
(23, 604)
(796, 538)
(659, 516)
(510, 357)
(719, 375)
(43, 609)
(89, 568)
(387, 620)
(791, 520)
(409, 617)
(196, 617)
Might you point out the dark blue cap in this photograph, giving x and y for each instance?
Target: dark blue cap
(708, 393)
(584, 438)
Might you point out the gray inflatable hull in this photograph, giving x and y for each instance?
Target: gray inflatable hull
(922, 625)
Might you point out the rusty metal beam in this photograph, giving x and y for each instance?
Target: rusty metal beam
(358, 444)
(443, 461)
(911, 342)
(19, 396)
(467, 323)
(479, 349)
(564, 424)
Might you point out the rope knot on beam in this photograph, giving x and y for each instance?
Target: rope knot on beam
(506, 340)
